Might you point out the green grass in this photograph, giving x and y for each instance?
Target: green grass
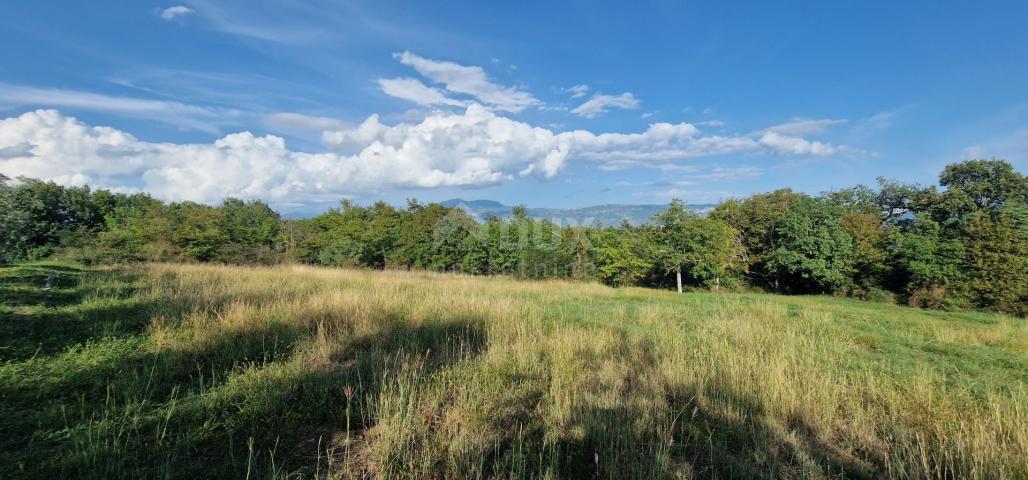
(187, 371)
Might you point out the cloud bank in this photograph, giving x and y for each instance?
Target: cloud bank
(473, 147)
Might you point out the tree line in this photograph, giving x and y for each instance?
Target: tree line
(959, 245)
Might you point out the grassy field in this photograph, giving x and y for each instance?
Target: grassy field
(182, 371)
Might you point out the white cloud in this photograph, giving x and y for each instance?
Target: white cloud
(178, 10)
(66, 150)
(578, 90)
(470, 148)
(801, 126)
(175, 113)
(674, 167)
(711, 123)
(471, 81)
(646, 115)
(599, 104)
(789, 145)
(729, 173)
(413, 90)
(476, 145)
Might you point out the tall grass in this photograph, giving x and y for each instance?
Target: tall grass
(178, 371)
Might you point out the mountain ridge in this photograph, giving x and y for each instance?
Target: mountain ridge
(610, 214)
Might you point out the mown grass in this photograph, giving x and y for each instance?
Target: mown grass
(189, 371)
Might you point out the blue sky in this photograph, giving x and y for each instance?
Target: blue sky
(544, 103)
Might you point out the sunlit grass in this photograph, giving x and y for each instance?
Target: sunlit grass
(190, 371)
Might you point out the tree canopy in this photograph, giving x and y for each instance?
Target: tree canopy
(960, 244)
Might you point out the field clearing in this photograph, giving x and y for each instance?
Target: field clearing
(201, 371)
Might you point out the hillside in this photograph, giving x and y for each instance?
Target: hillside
(609, 215)
(307, 372)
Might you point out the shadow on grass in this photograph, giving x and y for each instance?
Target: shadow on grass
(28, 286)
(220, 407)
(655, 431)
(727, 435)
(42, 321)
(100, 415)
(294, 422)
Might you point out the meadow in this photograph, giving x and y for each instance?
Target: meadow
(207, 371)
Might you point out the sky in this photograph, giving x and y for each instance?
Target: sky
(555, 104)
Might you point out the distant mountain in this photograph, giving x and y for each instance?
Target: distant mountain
(611, 214)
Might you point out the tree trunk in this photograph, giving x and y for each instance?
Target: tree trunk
(717, 283)
(678, 274)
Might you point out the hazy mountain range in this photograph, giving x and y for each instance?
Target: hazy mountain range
(611, 214)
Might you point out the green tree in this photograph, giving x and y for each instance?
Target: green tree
(704, 249)
(996, 263)
(39, 217)
(756, 219)
(859, 199)
(252, 229)
(621, 255)
(716, 254)
(986, 184)
(812, 252)
(924, 261)
(196, 229)
(448, 236)
(869, 253)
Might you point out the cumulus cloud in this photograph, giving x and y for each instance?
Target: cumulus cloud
(789, 145)
(177, 11)
(464, 80)
(469, 148)
(66, 150)
(477, 146)
(578, 90)
(600, 104)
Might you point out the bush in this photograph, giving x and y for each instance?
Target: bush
(935, 297)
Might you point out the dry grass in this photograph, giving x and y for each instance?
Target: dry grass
(310, 372)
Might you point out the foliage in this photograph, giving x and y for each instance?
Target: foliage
(756, 218)
(996, 263)
(869, 255)
(702, 249)
(621, 256)
(922, 257)
(958, 245)
(812, 252)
